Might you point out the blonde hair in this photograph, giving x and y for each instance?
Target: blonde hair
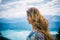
(39, 23)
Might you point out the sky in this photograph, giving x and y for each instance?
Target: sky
(18, 8)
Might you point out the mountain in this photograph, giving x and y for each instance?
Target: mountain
(54, 23)
(22, 23)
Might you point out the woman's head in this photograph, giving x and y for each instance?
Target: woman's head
(34, 17)
(32, 14)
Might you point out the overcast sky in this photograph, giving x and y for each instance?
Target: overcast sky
(17, 8)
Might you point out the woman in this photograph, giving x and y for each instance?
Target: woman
(39, 25)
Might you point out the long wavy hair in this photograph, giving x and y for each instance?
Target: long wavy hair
(39, 23)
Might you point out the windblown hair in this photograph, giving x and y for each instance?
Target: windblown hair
(39, 23)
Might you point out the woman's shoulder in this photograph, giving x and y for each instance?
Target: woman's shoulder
(39, 35)
(35, 35)
(31, 35)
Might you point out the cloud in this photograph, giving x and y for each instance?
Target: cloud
(18, 9)
(49, 8)
(13, 13)
(12, 10)
(18, 35)
(0, 1)
(32, 1)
